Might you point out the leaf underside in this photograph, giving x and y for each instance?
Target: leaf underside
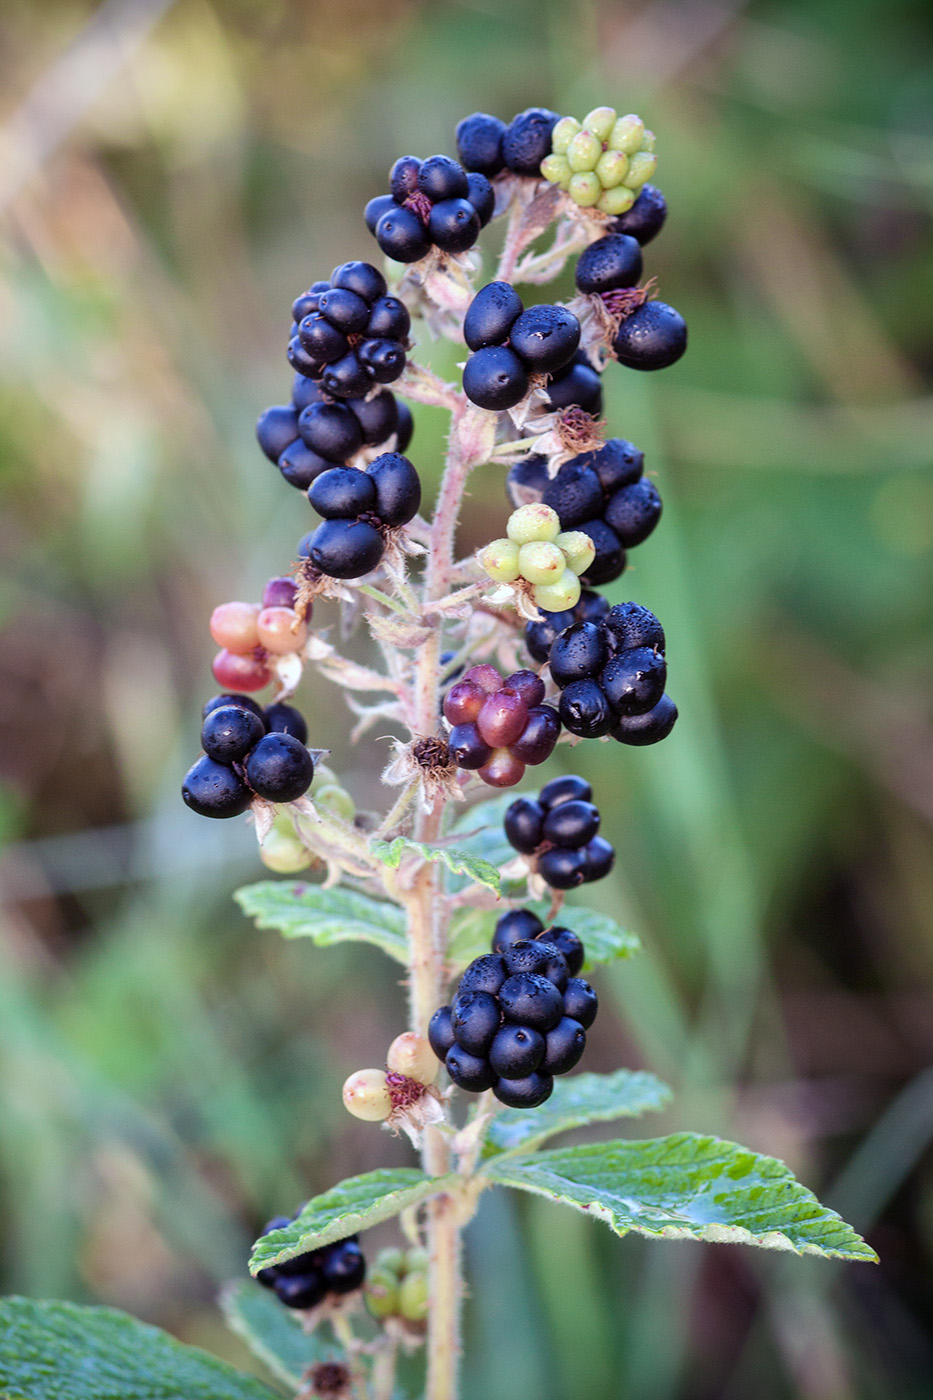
(327, 917)
(59, 1351)
(575, 1102)
(351, 1205)
(686, 1187)
(458, 862)
(274, 1334)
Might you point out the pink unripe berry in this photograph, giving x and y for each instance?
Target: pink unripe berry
(502, 770)
(528, 685)
(502, 718)
(281, 593)
(240, 673)
(464, 701)
(366, 1095)
(280, 631)
(233, 625)
(411, 1055)
(486, 676)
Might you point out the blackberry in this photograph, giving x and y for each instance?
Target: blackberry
(516, 1051)
(495, 378)
(576, 386)
(482, 196)
(303, 1282)
(275, 429)
(343, 1268)
(524, 1093)
(575, 493)
(475, 1018)
(379, 417)
(389, 319)
(650, 727)
(652, 337)
(567, 942)
(441, 1032)
(468, 1071)
(563, 1046)
(585, 711)
(599, 858)
(213, 790)
(645, 219)
(628, 625)
(529, 999)
(441, 178)
(397, 488)
(580, 1002)
(633, 681)
(403, 177)
(542, 340)
(516, 925)
(545, 338)
(228, 733)
(454, 225)
(491, 315)
(497, 731)
(331, 430)
(285, 719)
(342, 493)
(245, 702)
(479, 143)
(432, 203)
(527, 140)
(610, 558)
(279, 768)
(345, 548)
(540, 636)
(401, 235)
(557, 830)
(300, 466)
(580, 651)
(382, 204)
(485, 974)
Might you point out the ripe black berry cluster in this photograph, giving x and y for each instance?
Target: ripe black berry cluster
(612, 675)
(431, 203)
(540, 636)
(248, 752)
(359, 508)
(486, 144)
(308, 1279)
(499, 726)
(519, 1017)
(520, 924)
(349, 333)
(559, 829)
(650, 334)
(510, 343)
(311, 434)
(605, 494)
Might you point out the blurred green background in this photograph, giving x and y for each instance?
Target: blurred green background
(171, 175)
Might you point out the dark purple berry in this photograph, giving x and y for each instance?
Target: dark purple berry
(348, 378)
(454, 225)
(228, 733)
(243, 702)
(568, 788)
(527, 1092)
(563, 1046)
(344, 309)
(609, 561)
(491, 315)
(475, 1018)
(322, 340)
(580, 1002)
(609, 264)
(599, 856)
(304, 391)
(401, 235)
(648, 728)
(523, 822)
(441, 178)
(633, 681)
(467, 746)
(299, 465)
(545, 338)
(562, 870)
(382, 204)
(467, 1071)
(344, 1267)
(645, 219)
(495, 378)
(360, 277)
(280, 768)
(617, 463)
(275, 429)
(629, 625)
(378, 417)
(527, 481)
(527, 140)
(567, 942)
(634, 511)
(575, 493)
(398, 488)
(653, 337)
(536, 742)
(584, 709)
(571, 824)
(300, 360)
(524, 956)
(479, 143)
(482, 196)
(485, 974)
(528, 999)
(331, 430)
(516, 1051)
(578, 386)
(517, 924)
(305, 1291)
(213, 790)
(346, 548)
(389, 319)
(406, 428)
(403, 177)
(441, 1032)
(342, 493)
(579, 653)
(285, 719)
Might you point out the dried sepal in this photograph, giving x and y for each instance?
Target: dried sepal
(427, 762)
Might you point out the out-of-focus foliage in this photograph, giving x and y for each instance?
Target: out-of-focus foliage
(171, 175)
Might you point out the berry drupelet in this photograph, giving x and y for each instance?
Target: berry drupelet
(558, 829)
(305, 1281)
(612, 674)
(248, 752)
(499, 726)
(432, 203)
(519, 1017)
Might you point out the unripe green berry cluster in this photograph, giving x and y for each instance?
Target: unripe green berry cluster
(397, 1285)
(537, 551)
(603, 161)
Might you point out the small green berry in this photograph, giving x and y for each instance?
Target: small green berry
(283, 852)
(617, 201)
(640, 168)
(382, 1292)
(648, 141)
(413, 1297)
(556, 169)
(611, 168)
(541, 562)
(500, 560)
(323, 777)
(563, 133)
(336, 799)
(415, 1260)
(584, 189)
(391, 1260)
(535, 521)
(560, 596)
(627, 134)
(600, 121)
(578, 550)
(584, 151)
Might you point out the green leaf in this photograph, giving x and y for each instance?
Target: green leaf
(59, 1351)
(273, 1333)
(480, 831)
(333, 916)
(458, 862)
(471, 933)
(582, 1099)
(686, 1187)
(351, 1205)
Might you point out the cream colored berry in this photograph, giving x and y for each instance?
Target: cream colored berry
(535, 521)
(366, 1095)
(560, 596)
(627, 134)
(578, 550)
(500, 560)
(600, 121)
(411, 1055)
(541, 562)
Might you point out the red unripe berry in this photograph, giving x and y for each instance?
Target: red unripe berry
(281, 593)
(240, 673)
(528, 685)
(233, 625)
(502, 718)
(487, 676)
(463, 702)
(502, 770)
(280, 631)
